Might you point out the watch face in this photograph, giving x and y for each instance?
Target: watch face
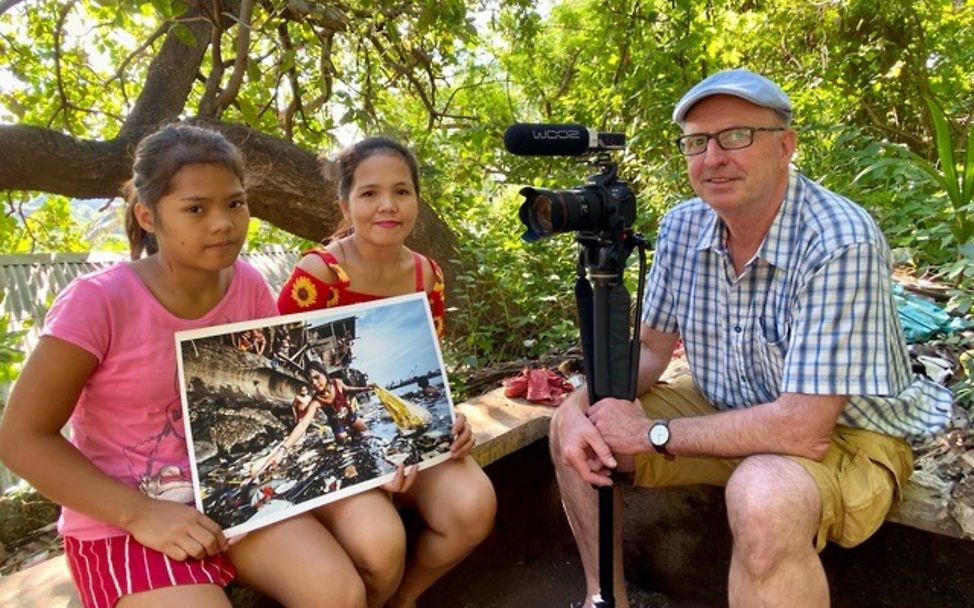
(659, 434)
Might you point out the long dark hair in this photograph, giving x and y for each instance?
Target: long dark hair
(157, 159)
(351, 157)
(316, 366)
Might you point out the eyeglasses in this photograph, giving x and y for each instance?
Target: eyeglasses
(733, 138)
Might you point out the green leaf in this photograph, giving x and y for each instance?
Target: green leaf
(253, 70)
(164, 8)
(184, 34)
(945, 152)
(967, 183)
(879, 164)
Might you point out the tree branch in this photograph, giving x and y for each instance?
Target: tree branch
(65, 104)
(6, 5)
(138, 51)
(207, 107)
(404, 70)
(287, 120)
(229, 94)
(284, 182)
(326, 69)
(168, 80)
(45, 160)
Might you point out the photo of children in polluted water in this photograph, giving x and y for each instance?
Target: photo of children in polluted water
(290, 413)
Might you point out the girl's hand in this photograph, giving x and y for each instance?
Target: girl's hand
(269, 463)
(403, 480)
(463, 440)
(179, 531)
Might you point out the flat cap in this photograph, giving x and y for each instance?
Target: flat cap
(740, 83)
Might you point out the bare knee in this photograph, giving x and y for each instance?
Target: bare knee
(466, 517)
(773, 510)
(334, 585)
(380, 555)
(473, 515)
(329, 590)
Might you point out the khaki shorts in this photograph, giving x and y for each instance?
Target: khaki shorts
(858, 479)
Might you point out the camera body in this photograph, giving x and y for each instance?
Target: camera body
(604, 204)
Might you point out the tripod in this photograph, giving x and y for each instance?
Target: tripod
(610, 350)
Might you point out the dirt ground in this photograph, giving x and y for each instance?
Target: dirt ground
(530, 559)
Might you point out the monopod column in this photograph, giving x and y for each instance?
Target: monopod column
(611, 347)
(607, 318)
(600, 364)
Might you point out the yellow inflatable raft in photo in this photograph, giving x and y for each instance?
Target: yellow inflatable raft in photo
(406, 415)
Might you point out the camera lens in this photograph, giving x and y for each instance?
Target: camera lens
(547, 212)
(540, 215)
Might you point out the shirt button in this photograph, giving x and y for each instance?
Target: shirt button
(738, 329)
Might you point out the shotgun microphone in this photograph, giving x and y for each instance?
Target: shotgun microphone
(525, 139)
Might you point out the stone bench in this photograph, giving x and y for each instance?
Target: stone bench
(501, 426)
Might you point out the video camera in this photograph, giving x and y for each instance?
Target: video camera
(602, 213)
(603, 204)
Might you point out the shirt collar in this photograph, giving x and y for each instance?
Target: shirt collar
(776, 248)
(712, 233)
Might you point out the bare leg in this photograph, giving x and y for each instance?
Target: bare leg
(208, 596)
(456, 501)
(582, 509)
(368, 527)
(298, 563)
(774, 509)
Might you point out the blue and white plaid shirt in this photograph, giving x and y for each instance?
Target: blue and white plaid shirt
(811, 313)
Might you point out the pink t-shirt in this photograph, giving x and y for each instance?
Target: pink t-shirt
(128, 420)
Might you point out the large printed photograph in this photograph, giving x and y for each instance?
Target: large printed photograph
(290, 413)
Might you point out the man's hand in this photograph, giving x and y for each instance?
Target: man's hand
(582, 448)
(622, 425)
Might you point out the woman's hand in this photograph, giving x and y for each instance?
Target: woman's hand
(463, 440)
(403, 480)
(179, 531)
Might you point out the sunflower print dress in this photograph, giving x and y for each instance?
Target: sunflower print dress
(304, 292)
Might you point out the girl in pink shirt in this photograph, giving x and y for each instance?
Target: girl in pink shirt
(107, 362)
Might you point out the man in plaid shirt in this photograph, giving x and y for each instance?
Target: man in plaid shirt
(801, 392)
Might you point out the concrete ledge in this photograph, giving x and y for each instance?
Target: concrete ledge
(502, 426)
(925, 509)
(46, 585)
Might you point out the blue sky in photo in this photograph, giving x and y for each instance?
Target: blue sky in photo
(394, 342)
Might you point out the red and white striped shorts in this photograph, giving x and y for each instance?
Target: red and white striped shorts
(106, 569)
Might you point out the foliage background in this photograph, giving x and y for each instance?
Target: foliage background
(448, 76)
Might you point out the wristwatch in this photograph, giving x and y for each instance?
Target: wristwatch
(659, 436)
